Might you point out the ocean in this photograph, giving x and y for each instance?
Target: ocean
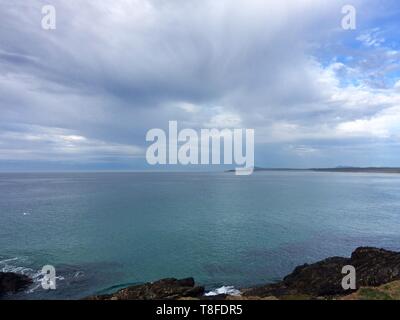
(105, 231)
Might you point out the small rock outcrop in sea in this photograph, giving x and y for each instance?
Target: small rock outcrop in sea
(12, 282)
(374, 267)
(166, 289)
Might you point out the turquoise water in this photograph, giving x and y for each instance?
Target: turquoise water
(106, 230)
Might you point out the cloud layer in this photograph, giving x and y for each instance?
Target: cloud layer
(89, 91)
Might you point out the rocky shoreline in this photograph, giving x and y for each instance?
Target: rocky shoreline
(13, 282)
(374, 267)
(320, 280)
(377, 277)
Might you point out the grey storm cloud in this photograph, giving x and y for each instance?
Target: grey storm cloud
(114, 69)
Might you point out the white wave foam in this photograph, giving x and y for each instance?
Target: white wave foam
(228, 290)
(7, 260)
(78, 274)
(38, 279)
(11, 265)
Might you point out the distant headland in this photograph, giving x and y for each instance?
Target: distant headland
(336, 169)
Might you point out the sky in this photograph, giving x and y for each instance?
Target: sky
(83, 96)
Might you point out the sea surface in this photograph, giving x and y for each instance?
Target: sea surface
(104, 231)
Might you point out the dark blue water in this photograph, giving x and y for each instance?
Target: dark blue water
(106, 230)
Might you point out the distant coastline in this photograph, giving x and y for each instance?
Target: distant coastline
(336, 169)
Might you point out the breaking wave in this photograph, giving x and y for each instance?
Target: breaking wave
(228, 290)
(14, 265)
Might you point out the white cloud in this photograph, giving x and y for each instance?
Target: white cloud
(371, 38)
(44, 143)
(188, 107)
(146, 62)
(302, 150)
(385, 124)
(224, 120)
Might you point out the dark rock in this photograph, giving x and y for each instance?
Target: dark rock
(166, 289)
(373, 266)
(217, 297)
(12, 282)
